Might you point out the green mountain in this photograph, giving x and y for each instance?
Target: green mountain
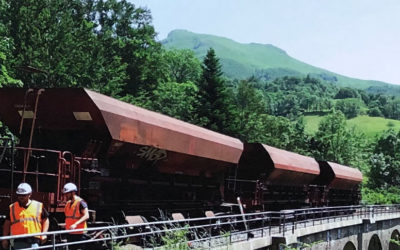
(263, 60)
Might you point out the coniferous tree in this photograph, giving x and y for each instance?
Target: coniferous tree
(215, 107)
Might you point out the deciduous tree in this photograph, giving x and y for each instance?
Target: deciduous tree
(182, 65)
(178, 100)
(335, 142)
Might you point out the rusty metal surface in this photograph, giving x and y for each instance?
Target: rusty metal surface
(291, 168)
(114, 122)
(345, 177)
(55, 109)
(290, 161)
(347, 173)
(128, 123)
(276, 166)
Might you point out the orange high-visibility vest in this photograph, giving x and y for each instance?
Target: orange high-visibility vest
(26, 221)
(73, 214)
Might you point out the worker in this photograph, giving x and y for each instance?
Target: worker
(25, 216)
(76, 214)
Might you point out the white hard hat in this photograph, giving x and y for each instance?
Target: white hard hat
(69, 187)
(24, 188)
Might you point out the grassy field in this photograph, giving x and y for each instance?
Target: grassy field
(370, 126)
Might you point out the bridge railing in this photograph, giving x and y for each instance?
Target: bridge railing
(212, 231)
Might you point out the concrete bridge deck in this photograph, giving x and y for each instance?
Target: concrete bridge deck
(347, 232)
(348, 228)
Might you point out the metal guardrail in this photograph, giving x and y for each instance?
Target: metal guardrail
(213, 231)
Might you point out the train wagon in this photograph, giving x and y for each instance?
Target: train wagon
(342, 184)
(269, 178)
(121, 156)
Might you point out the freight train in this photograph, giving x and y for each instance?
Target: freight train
(123, 157)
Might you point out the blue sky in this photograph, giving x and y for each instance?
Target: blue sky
(356, 38)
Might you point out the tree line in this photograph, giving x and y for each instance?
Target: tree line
(109, 46)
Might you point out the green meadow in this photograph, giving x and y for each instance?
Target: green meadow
(370, 126)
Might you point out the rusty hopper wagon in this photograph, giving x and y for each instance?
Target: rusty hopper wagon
(341, 184)
(121, 156)
(269, 178)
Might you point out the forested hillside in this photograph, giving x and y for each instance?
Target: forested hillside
(109, 46)
(264, 61)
